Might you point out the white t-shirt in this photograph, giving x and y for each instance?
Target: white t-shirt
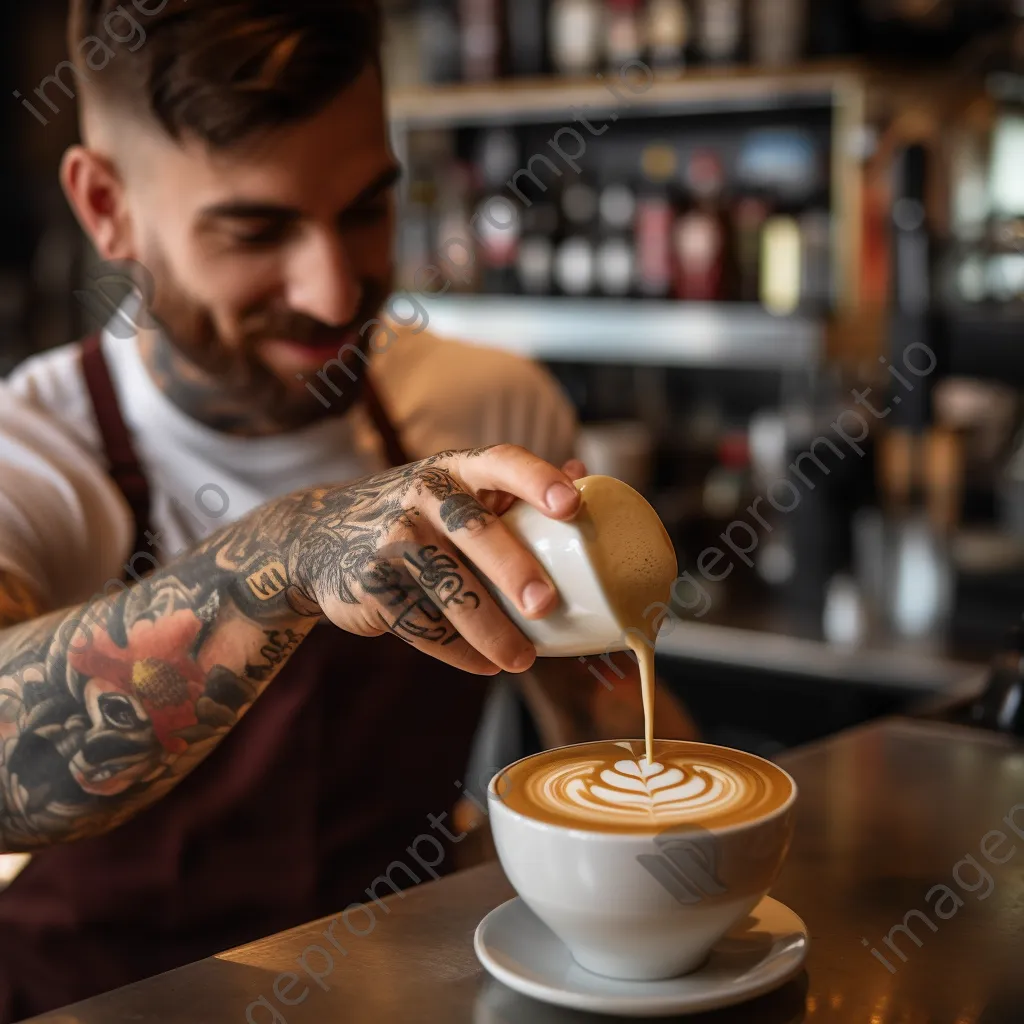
(66, 531)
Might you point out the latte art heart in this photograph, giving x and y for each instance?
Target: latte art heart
(610, 787)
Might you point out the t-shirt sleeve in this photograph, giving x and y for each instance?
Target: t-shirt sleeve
(449, 395)
(65, 530)
(531, 410)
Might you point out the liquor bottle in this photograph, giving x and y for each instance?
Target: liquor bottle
(910, 327)
(497, 222)
(781, 264)
(416, 230)
(481, 39)
(719, 30)
(535, 263)
(575, 258)
(440, 41)
(816, 260)
(668, 31)
(526, 28)
(625, 42)
(700, 234)
(616, 252)
(455, 253)
(575, 31)
(751, 214)
(655, 215)
(778, 29)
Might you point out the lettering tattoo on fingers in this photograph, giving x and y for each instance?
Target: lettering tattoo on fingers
(421, 619)
(408, 610)
(440, 576)
(418, 602)
(391, 584)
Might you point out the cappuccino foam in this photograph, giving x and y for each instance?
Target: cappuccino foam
(611, 786)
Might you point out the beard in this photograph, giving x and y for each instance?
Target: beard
(220, 379)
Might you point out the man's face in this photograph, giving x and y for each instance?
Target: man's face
(267, 259)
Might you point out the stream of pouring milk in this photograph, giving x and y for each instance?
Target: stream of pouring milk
(633, 556)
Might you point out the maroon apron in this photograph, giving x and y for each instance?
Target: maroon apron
(328, 779)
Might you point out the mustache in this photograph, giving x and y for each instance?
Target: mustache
(300, 329)
(308, 330)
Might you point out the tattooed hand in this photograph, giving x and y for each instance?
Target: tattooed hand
(107, 706)
(399, 552)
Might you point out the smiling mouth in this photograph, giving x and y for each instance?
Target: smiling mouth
(292, 357)
(319, 347)
(327, 349)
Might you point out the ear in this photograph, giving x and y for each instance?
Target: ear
(96, 193)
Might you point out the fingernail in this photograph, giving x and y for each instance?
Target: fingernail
(535, 596)
(524, 661)
(561, 497)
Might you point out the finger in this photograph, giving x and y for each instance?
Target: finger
(396, 604)
(490, 547)
(455, 508)
(486, 541)
(507, 467)
(455, 588)
(574, 469)
(498, 502)
(430, 597)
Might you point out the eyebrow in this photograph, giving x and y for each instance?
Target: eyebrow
(241, 209)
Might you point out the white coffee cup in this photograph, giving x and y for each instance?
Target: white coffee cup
(584, 622)
(640, 906)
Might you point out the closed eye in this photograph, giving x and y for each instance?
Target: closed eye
(265, 235)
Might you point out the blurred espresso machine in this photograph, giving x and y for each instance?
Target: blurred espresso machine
(1000, 705)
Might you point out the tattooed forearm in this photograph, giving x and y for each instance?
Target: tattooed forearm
(105, 707)
(280, 644)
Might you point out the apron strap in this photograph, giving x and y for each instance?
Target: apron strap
(393, 447)
(125, 467)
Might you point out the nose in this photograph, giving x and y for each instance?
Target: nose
(322, 282)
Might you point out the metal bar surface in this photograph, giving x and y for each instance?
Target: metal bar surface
(888, 812)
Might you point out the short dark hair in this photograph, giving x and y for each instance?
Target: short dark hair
(223, 70)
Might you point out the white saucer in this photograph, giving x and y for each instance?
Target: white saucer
(758, 955)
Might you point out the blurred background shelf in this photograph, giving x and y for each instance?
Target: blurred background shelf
(699, 91)
(988, 344)
(632, 332)
(775, 651)
(756, 244)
